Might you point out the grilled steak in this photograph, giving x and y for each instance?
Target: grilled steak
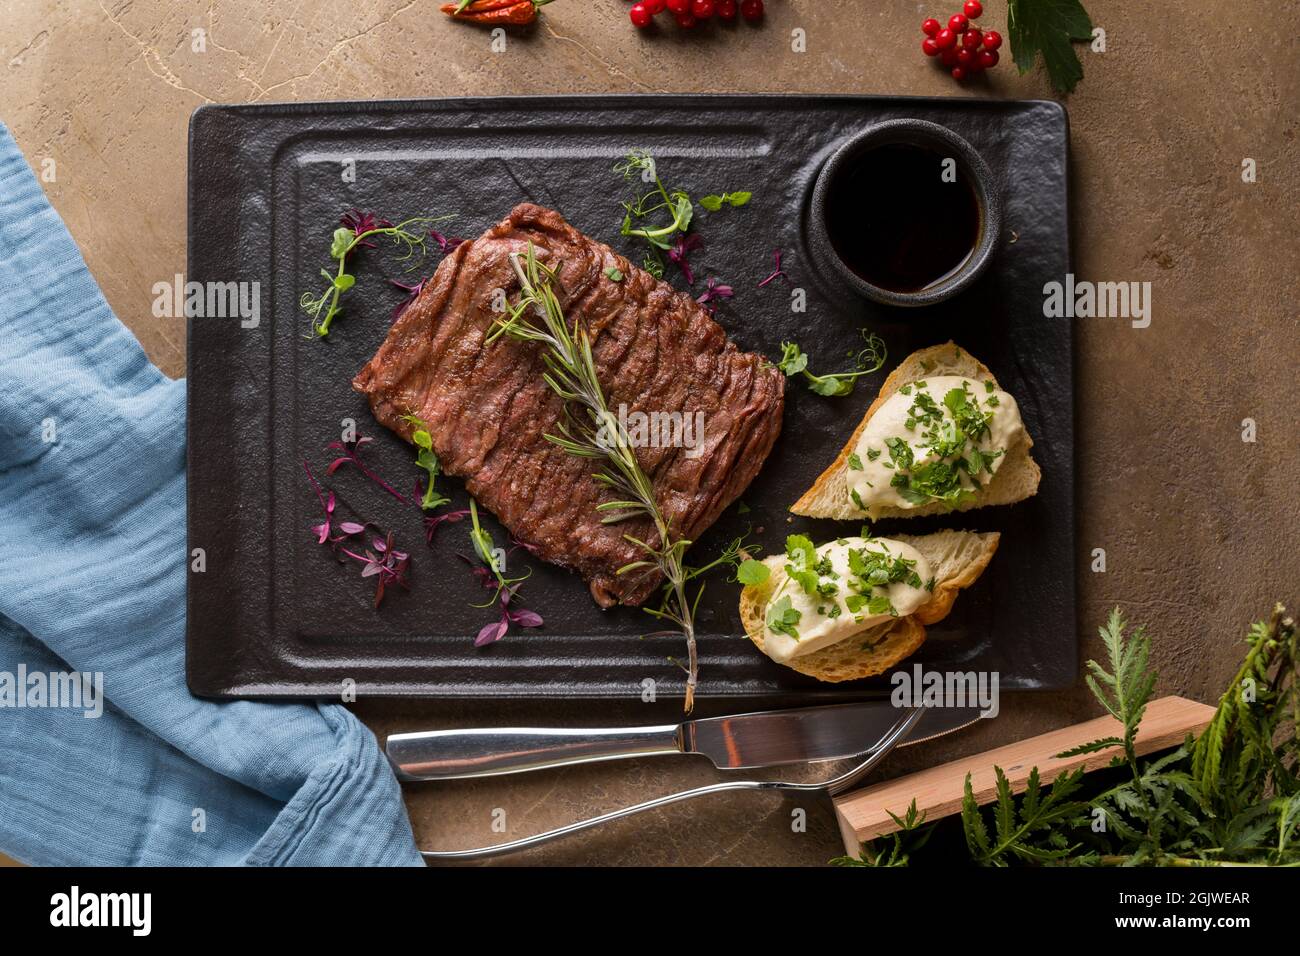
(487, 408)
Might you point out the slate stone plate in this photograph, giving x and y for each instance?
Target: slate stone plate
(271, 614)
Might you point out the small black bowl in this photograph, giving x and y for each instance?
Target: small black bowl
(945, 141)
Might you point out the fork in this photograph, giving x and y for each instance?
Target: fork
(831, 787)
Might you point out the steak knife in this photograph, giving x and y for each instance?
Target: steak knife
(764, 739)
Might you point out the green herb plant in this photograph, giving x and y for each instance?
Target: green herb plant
(1228, 797)
(910, 837)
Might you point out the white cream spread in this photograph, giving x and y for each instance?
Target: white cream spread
(935, 440)
(841, 589)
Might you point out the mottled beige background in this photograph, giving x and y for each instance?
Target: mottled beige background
(1199, 527)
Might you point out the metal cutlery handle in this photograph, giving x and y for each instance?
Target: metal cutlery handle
(833, 786)
(453, 754)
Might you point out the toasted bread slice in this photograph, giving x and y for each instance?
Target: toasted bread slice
(1015, 480)
(957, 559)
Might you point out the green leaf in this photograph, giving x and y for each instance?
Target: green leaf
(1105, 743)
(614, 274)
(339, 245)
(972, 822)
(793, 361)
(752, 572)
(782, 617)
(831, 386)
(714, 202)
(1049, 27)
(422, 438)
(685, 211)
(801, 551)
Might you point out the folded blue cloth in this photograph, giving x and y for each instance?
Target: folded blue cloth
(92, 581)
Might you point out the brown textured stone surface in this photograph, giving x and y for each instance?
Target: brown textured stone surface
(1199, 527)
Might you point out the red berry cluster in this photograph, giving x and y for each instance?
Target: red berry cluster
(976, 51)
(688, 13)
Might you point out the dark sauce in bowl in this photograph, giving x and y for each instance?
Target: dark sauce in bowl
(897, 223)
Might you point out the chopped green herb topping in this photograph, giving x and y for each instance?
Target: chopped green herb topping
(802, 566)
(782, 617)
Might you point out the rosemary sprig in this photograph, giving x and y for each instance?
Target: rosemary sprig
(590, 430)
(345, 241)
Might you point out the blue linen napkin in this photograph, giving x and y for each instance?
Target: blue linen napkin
(92, 580)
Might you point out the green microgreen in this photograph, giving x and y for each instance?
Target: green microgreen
(713, 203)
(644, 216)
(357, 231)
(870, 358)
(428, 460)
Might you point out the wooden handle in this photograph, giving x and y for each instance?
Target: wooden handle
(864, 814)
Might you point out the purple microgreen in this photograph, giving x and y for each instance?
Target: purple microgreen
(412, 293)
(713, 291)
(321, 530)
(434, 522)
(515, 544)
(525, 618)
(351, 454)
(362, 225)
(315, 486)
(446, 244)
(389, 565)
(491, 633)
(682, 248)
(777, 272)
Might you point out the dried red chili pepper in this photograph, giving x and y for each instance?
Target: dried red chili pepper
(495, 11)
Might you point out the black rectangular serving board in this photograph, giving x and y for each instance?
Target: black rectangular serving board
(272, 614)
